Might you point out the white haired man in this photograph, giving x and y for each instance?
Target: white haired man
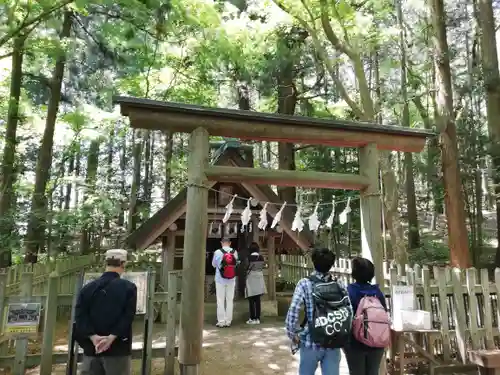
(104, 314)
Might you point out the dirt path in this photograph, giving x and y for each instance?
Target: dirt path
(239, 350)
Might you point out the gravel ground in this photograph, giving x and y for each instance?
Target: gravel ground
(239, 350)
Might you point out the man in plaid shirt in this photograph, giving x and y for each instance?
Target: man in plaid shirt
(311, 353)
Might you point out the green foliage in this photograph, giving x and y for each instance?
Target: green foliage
(431, 252)
(201, 52)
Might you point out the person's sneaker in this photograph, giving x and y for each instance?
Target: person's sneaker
(256, 321)
(220, 325)
(228, 324)
(250, 321)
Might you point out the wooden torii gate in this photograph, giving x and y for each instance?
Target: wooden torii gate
(202, 122)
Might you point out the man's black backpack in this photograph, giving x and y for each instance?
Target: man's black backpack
(332, 314)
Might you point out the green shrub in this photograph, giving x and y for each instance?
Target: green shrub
(430, 253)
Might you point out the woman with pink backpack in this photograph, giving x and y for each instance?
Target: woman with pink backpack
(371, 330)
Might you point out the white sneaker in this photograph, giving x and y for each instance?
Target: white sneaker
(220, 325)
(227, 324)
(256, 321)
(250, 321)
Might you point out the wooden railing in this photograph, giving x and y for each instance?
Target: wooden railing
(66, 268)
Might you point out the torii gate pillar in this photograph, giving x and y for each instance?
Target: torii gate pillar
(193, 270)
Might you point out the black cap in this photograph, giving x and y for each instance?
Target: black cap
(225, 240)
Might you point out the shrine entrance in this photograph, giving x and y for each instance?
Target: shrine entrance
(201, 122)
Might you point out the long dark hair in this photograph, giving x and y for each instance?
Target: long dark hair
(254, 248)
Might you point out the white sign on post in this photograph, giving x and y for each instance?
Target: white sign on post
(405, 317)
(403, 297)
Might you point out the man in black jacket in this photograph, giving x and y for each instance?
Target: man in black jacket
(104, 314)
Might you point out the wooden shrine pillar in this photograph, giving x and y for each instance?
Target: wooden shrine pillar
(371, 210)
(167, 265)
(193, 270)
(271, 261)
(167, 257)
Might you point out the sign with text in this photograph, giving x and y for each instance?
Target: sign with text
(140, 279)
(22, 318)
(403, 297)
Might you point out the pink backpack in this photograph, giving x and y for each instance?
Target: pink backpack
(372, 325)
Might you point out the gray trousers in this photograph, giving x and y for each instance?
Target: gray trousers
(363, 362)
(106, 365)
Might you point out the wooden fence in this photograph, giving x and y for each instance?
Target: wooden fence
(66, 269)
(463, 303)
(15, 349)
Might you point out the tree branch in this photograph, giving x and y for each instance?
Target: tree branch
(6, 55)
(364, 89)
(342, 24)
(330, 34)
(325, 59)
(311, 17)
(128, 20)
(423, 112)
(103, 48)
(27, 23)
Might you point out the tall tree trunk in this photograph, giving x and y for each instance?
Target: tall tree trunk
(169, 148)
(435, 159)
(134, 204)
(62, 173)
(78, 170)
(433, 181)
(243, 96)
(411, 201)
(36, 223)
(69, 186)
(90, 181)
(378, 88)
(8, 177)
(480, 166)
(269, 154)
(476, 222)
(148, 171)
(123, 174)
(287, 101)
(109, 174)
(388, 253)
(489, 60)
(64, 233)
(390, 191)
(454, 202)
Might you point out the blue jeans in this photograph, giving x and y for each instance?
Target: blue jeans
(329, 360)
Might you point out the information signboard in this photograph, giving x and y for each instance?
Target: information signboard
(22, 318)
(140, 279)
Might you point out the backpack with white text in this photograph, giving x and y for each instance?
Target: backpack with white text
(228, 264)
(332, 314)
(372, 324)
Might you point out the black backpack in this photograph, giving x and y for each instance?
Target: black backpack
(332, 314)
